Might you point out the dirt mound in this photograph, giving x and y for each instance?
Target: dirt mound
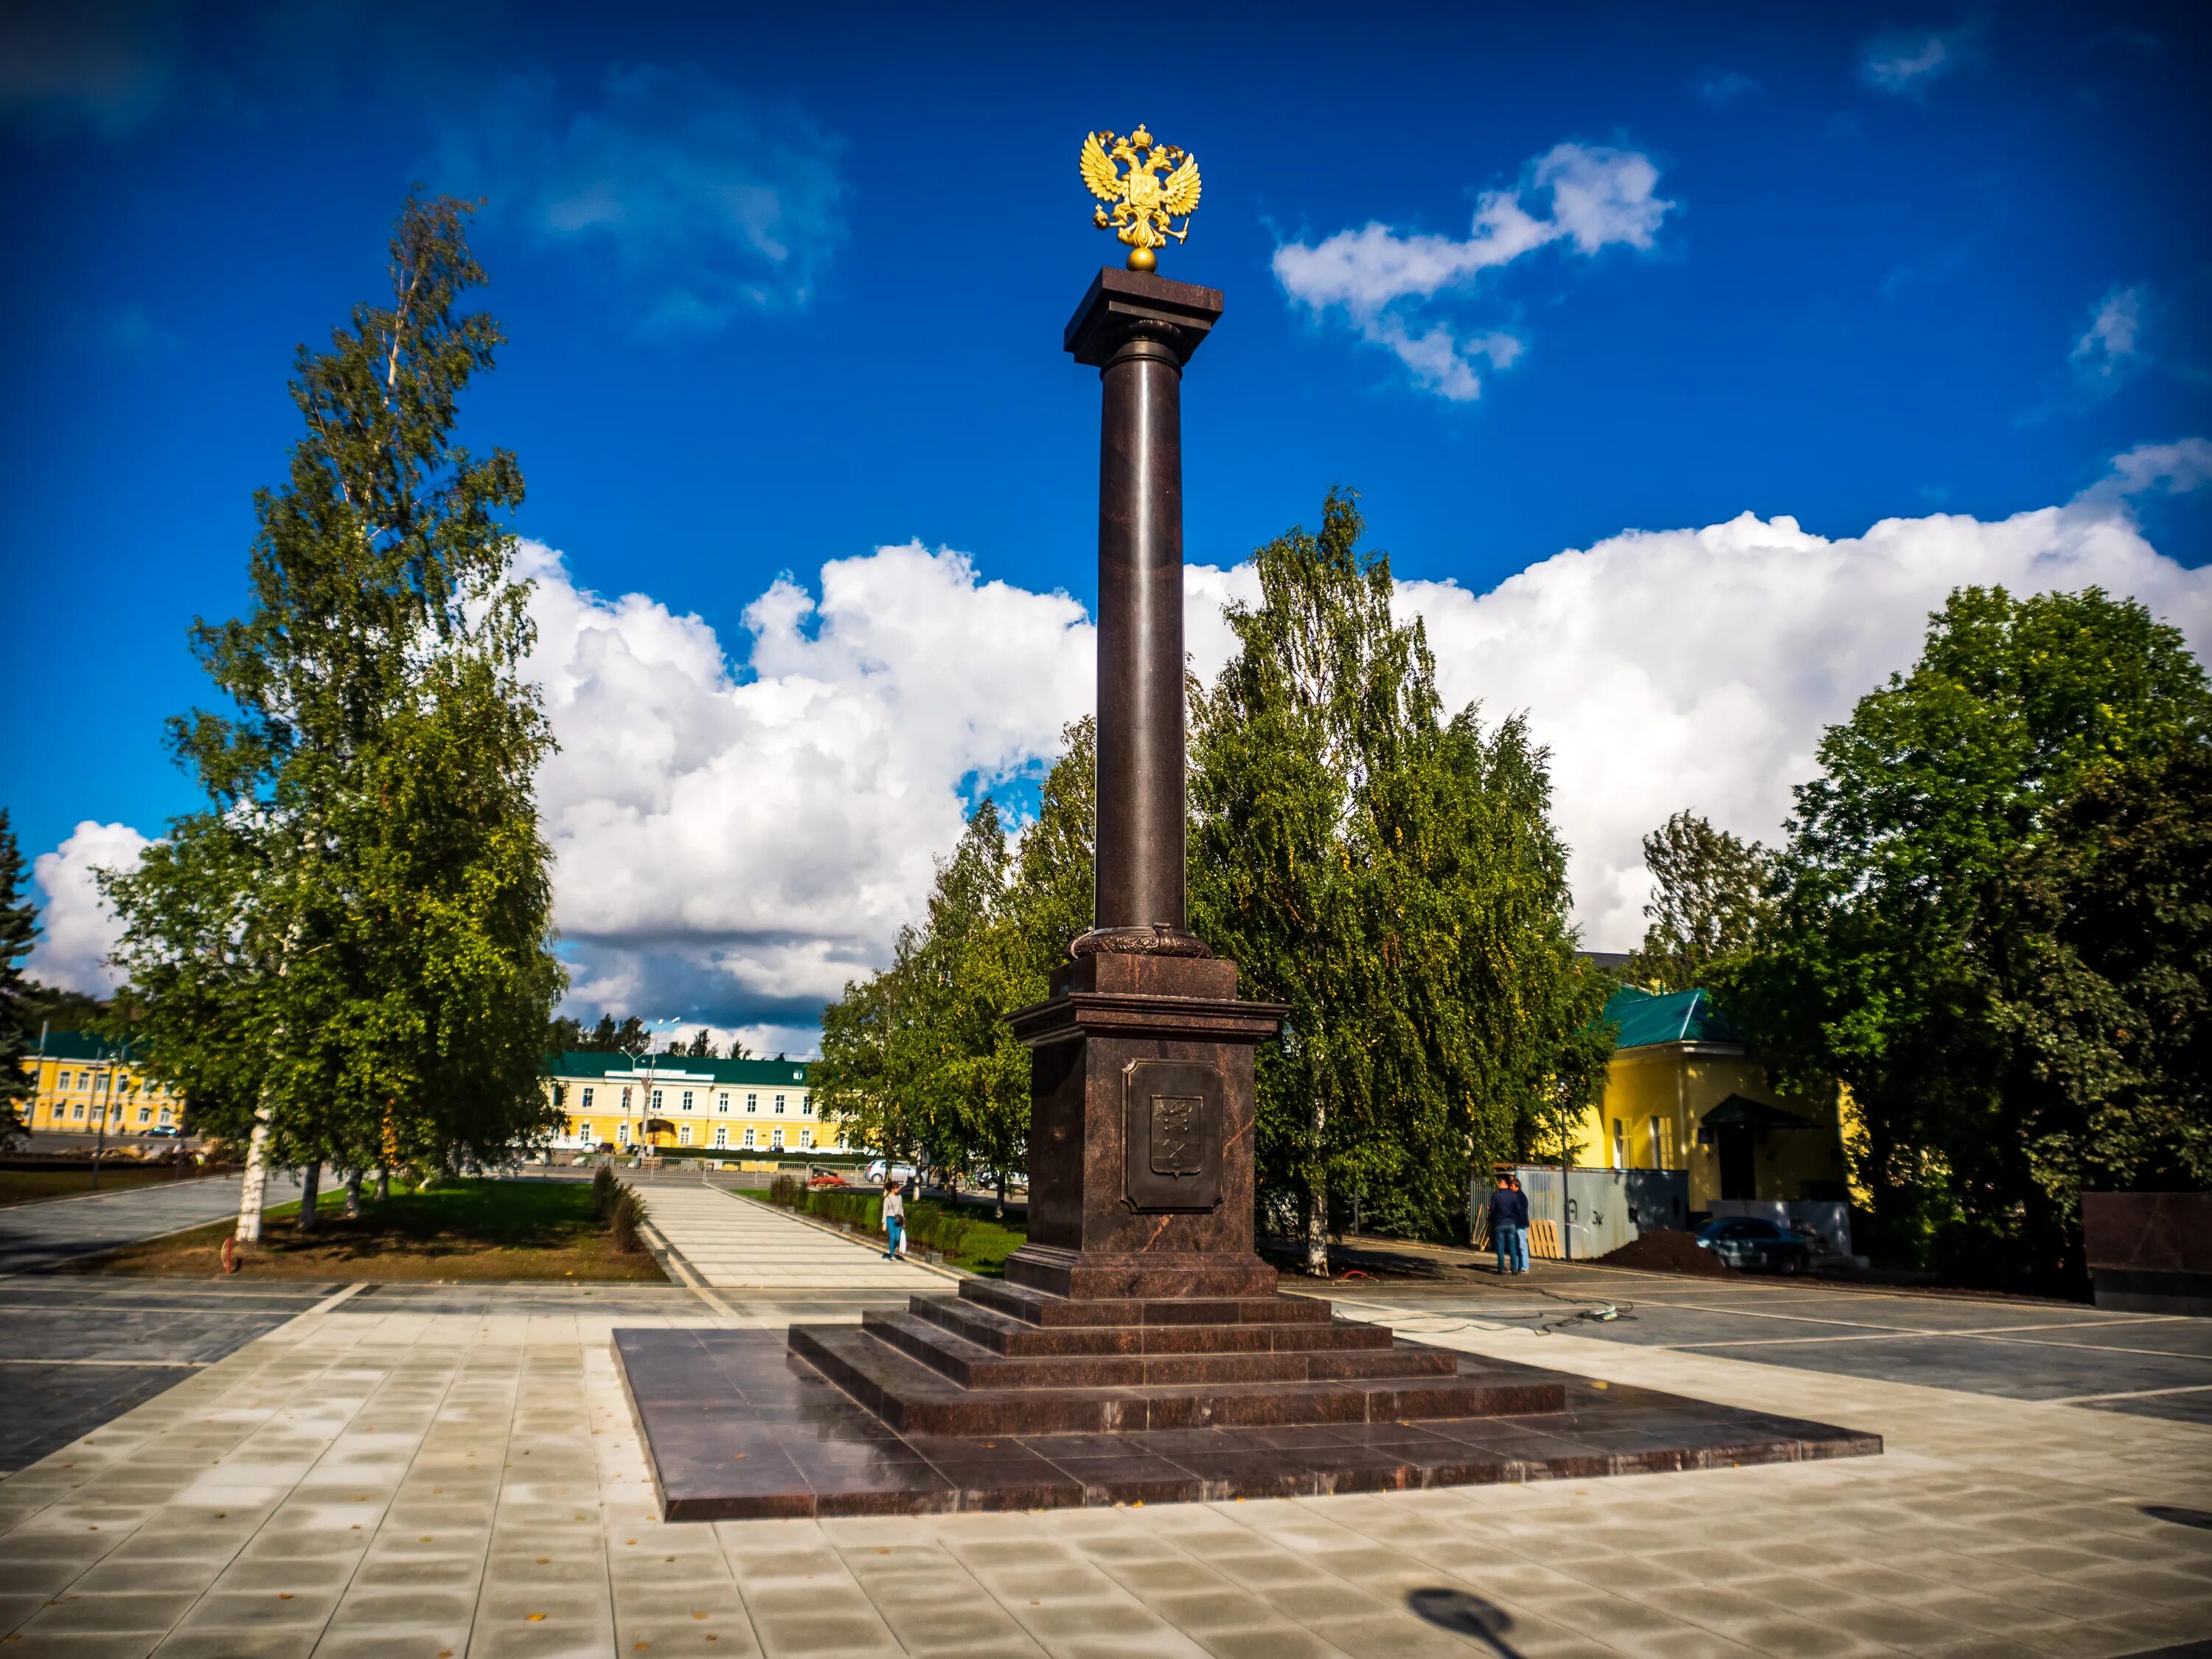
(1668, 1251)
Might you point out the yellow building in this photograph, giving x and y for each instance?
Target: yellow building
(676, 1102)
(1685, 1092)
(82, 1083)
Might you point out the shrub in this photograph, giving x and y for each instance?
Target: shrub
(605, 1189)
(942, 1228)
(788, 1191)
(623, 1222)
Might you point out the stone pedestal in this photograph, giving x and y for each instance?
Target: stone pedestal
(1140, 1131)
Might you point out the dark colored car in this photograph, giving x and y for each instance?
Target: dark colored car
(1755, 1245)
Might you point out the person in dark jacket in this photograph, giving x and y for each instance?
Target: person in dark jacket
(1504, 1230)
(1520, 1225)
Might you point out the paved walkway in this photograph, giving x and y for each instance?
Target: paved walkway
(35, 1236)
(374, 1481)
(2152, 1364)
(734, 1242)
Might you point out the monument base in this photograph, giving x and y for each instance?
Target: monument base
(1010, 1359)
(736, 1425)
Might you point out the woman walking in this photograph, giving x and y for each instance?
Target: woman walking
(894, 1222)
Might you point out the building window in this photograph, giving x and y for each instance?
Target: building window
(145, 1113)
(779, 1105)
(165, 1116)
(587, 1100)
(79, 1108)
(65, 1082)
(806, 1137)
(752, 1103)
(1662, 1142)
(725, 1106)
(806, 1105)
(1620, 1145)
(656, 1100)
(687, 1100)
(684, 1136)
(721, 1134)
(748, 1134)
(584, 1134)
(777, 1143)
(622, 1133)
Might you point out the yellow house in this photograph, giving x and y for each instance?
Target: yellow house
(1685, 1092)
(676, 1102)
(82, 1084)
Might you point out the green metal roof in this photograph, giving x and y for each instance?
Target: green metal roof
(761, 1074)
(82, 1045)
(1645, 1018)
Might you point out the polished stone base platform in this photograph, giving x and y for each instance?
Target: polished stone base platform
(736, 1425)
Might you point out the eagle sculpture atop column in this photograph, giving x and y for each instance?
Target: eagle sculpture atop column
(1140, 203)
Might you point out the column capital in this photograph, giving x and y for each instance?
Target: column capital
(1123, 304)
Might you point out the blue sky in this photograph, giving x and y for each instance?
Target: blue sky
(781, 290)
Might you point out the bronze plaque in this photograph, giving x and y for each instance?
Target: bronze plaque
(1172, 1127)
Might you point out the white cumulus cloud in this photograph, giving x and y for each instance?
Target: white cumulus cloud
(1383, 279)
(736, 833)
(741, 825)
(76, 930)
(1696, 668)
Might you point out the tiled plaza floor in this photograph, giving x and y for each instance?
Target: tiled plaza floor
(377, 1479)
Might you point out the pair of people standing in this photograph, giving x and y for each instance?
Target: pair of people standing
(1509, 1226)
(894, 1222)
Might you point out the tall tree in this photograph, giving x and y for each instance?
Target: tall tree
(702, 1046)
(19, 930)
(1051, 895)
(345, 955)
(2112, 995)
(1900, 924)
(1390, 875)
(1705, 901)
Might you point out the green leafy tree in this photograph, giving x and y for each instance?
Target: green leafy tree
(2112, 990)
(855, 1081)
(1896, 952)
(1707, 901)
(345, 956)
(1393, 877)
(1051, 895)
(702, 1046)
(966, 1077)
(19, 931)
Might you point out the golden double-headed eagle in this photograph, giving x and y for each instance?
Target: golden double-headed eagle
(1140, 203)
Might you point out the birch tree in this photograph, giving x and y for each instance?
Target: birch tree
(344, 955)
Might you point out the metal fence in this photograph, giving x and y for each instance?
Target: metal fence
(1598, 1210)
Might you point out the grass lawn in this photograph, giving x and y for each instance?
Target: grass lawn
(29, 1186)
(473, 1230)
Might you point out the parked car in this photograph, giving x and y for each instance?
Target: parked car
(878, 1172)
(830, 1178)
(162, 1132)
(1755, 1245)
